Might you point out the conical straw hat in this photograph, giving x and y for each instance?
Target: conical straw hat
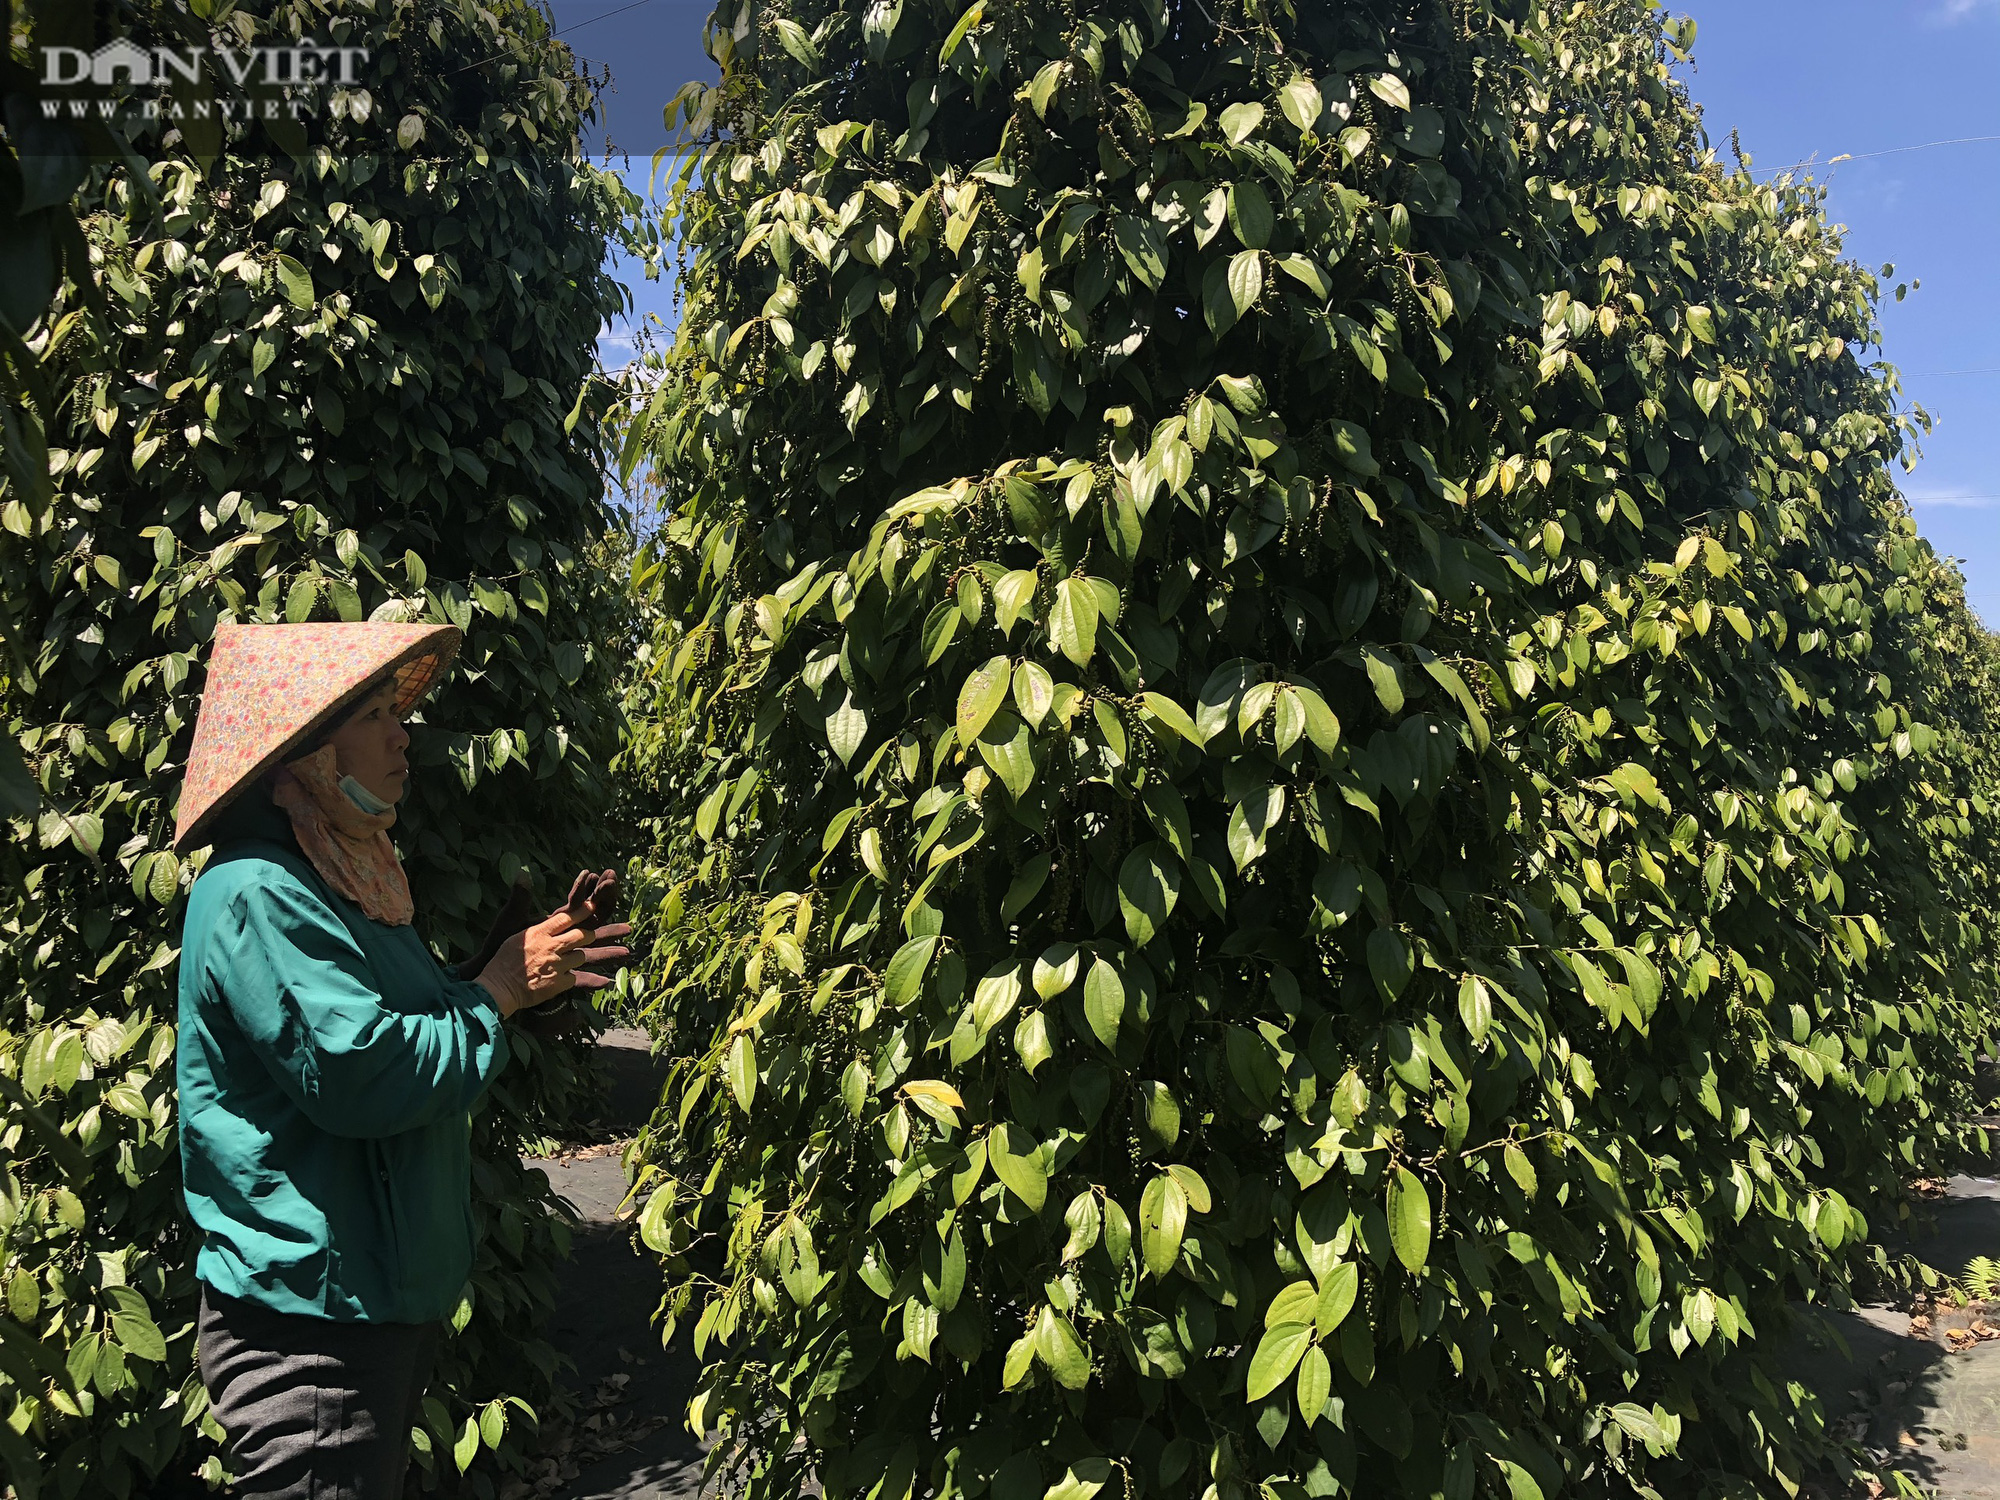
(272, 687)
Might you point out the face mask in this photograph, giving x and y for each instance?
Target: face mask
(362, 798)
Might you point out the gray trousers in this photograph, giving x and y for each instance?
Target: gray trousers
(315, 1409)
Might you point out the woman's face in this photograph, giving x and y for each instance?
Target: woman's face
(370, 745)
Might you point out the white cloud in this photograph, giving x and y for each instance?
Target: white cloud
(1952, 12)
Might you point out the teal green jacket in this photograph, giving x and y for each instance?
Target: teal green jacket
(327, 1065)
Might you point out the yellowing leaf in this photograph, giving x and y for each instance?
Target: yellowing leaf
(1031, 1041)
(1278, 1354)
(1073, 620)
(1034, 692)
(1295, 1304)
(1013, 596)
(1192, 1186)
(982, 694)
(163, 881)
(742, 1069)
(934, 1098)
(995, 996)
(1163, 1209)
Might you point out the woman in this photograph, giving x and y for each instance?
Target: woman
(327, 1061)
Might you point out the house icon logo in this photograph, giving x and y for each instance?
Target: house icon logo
(121, 56)
(120, 61)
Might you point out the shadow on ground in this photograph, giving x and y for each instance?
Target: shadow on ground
(1918, 1402)
(604, 1311)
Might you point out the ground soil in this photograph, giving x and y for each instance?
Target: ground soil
(630, 1440)
(1922, 1393)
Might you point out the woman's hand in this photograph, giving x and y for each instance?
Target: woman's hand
(514, 916)
(545, 960)
(592, 897)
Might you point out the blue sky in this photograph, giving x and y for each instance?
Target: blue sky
(1800, 81)
(1815, 79)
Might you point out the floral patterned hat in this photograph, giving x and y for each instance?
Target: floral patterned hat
(272, 687)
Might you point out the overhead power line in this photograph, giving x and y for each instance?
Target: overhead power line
(1962, 140)
(560, 31)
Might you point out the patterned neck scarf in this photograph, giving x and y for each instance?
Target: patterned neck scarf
(350, 848)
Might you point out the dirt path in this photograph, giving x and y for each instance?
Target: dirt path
(631, 1441)
(1926, 1398)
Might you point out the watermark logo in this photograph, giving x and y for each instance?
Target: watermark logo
(268, 80)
